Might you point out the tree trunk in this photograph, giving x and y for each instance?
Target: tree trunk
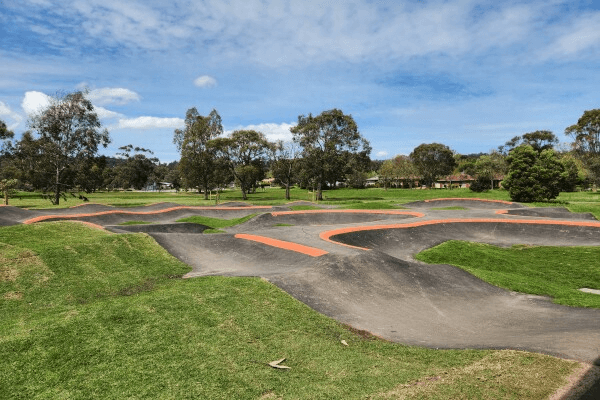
(244, 197)
(287, 191)
(6, 197)
(57, 188)
(205, 192)
(492, 184)
(319, 191)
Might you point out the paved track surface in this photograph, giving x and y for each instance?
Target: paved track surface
(365, 274)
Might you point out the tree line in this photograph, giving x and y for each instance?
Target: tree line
(58, 155)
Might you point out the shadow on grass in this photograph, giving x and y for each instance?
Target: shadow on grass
(593, 388)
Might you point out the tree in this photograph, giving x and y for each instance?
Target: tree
(197, 159)
(246, 153)
(136, 169)
(387, 173)
(329, 141)
(486, 169)
(70, 130)
(533, 176)
(406, 170)
(432, 161)
(285, 164)
(539, 140)
(5, 136)
(586, 133)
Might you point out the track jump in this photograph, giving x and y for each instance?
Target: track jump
(358, 266)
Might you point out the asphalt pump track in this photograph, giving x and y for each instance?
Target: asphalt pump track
(358, 266)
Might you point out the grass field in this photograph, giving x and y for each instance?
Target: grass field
(542, 270)
(347, 198)
(216, 224)
(87, 314)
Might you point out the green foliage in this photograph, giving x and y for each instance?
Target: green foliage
(246, 153)
(216, 223)
(7, 188)
(541, 270)
(486, 169)
(285, 165)
(331, 147)
(533, 176)
(432, 161)
(586, 134)
(198, 159)
(136, 169)
(69, 130)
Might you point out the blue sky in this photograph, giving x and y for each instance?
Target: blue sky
(469, 74)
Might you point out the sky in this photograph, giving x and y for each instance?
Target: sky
(468, 74)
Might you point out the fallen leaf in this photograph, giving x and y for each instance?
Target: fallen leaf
(275, 364)
(344, 343)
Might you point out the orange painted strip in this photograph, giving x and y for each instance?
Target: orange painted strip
(501, 211)
(124, 212)
(389, 212)
(328, 234)
(281, 244)
(469, 198)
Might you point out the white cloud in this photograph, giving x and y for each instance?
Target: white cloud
(314, 31)
(103, 113)
(382, 154)
(205, 81)
(272, 131)
(33, 102)
(107, 95)
(149, 123)
(7, 114)
(575, 38)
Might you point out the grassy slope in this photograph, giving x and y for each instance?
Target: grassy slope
(551, 271)
(86, 314)
(215, 224)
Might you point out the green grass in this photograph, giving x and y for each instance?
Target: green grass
(271, 196)
(305, 207)
(347, 198)
(541, 270)
(372, 205)
(88, 314)
(216, 224)
(449, 208)
(283, 225)
(135, 223)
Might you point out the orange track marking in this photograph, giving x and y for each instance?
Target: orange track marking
(391, 212)
(281, 244)
(75, 216)
(328, 234)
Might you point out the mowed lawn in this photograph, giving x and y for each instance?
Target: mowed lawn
(347, 198)
(88, 314)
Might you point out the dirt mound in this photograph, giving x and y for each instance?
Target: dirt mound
(404, 242)
(439, 306)
(466, 203)
(184, 227)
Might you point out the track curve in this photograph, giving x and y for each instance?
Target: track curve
(383, 290)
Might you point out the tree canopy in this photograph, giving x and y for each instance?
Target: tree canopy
(586, 133)
(433, 161)
(538, 140)
(332, 147)
(70, 132)
(534, 176)
(197, 164)
(246, 153)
